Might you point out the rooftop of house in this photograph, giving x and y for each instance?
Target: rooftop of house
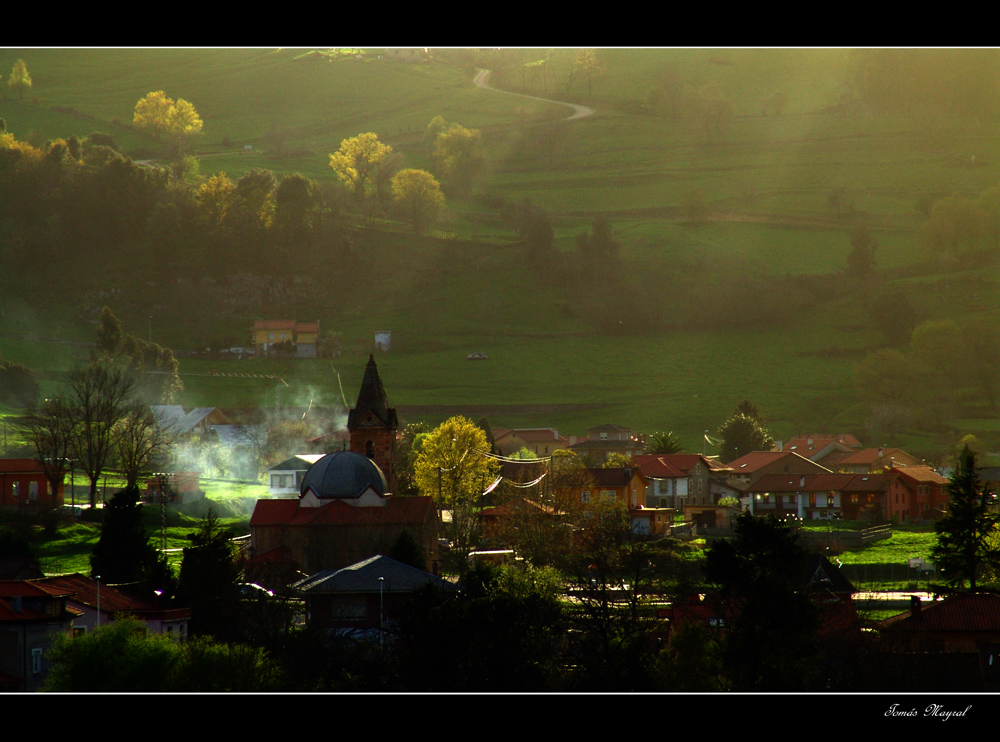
(920, 474)
(869, 456)
(756, 460)
(674, 464)
(82, 589)
(618, 477)
(963, 612)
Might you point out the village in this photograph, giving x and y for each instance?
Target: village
(341, 543)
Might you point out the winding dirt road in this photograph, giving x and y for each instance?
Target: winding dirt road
(481, 80)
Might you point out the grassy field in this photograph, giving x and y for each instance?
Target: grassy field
(443, 300)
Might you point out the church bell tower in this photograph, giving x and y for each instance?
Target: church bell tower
(372, 424)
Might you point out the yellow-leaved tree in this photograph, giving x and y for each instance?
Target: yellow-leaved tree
(214, 197)
(417, 197)
(159, 114)
(357, 161)
(453, 467)
(19, 80)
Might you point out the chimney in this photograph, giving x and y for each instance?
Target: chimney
(16, 604)
(809, 441)
(914, 605)
(779, 445)
(802, 481)
(880, 453)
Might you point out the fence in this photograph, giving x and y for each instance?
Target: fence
(838, 541)
(876, 573)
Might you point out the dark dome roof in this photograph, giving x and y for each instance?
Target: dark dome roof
(343, 474)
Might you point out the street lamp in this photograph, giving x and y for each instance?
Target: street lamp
(381, 633)
(98, 578)
(163, 481)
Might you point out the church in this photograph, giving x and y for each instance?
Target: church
(345, 511)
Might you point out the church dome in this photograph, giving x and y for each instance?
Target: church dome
(343, 474)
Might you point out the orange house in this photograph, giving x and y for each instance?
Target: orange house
(269, 332)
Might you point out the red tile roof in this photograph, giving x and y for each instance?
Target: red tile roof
(84, 591)
(964, 612)
(755, 460)
(923, 474)
(681, 463)
(869, 456)
(30, 589)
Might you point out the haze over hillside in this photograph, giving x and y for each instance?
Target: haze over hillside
(771, 225)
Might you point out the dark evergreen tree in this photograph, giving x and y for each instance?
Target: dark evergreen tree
(124, 555)
(764, 603)
(406, 550)
(968, 549)
(209, 582)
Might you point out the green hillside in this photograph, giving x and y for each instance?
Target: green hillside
(746, 301)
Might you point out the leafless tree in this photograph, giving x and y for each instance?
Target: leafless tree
(99, 396)
(50, 430)
(140, 443)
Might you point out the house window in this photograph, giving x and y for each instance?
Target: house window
(36, 660)
(16, 490)
(585, 496)
(33, 490)
(604, 436)
(608, 495)
(79, 631)
(369, 449)
(854, 499)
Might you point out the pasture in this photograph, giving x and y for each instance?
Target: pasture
(775, 187)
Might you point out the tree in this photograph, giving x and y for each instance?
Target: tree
(124, 657)
(740, 435)
(295, 203)
(599, 251)
(152, 113)
(155, 368)
(19, 80)
(159, 114)
(356, 161)
(894, 316)
(968, 548)
(50, 430)
(124, 555)
(209, 581)
(139, 442)
(17, 384)
(770, 618)
(663, 443)
(453, 469)
(98, 395)
(714, 110)
(459, 158)
(214, 197)
(183, 120)
(417, 197)
(588, 61)
(861, 260)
